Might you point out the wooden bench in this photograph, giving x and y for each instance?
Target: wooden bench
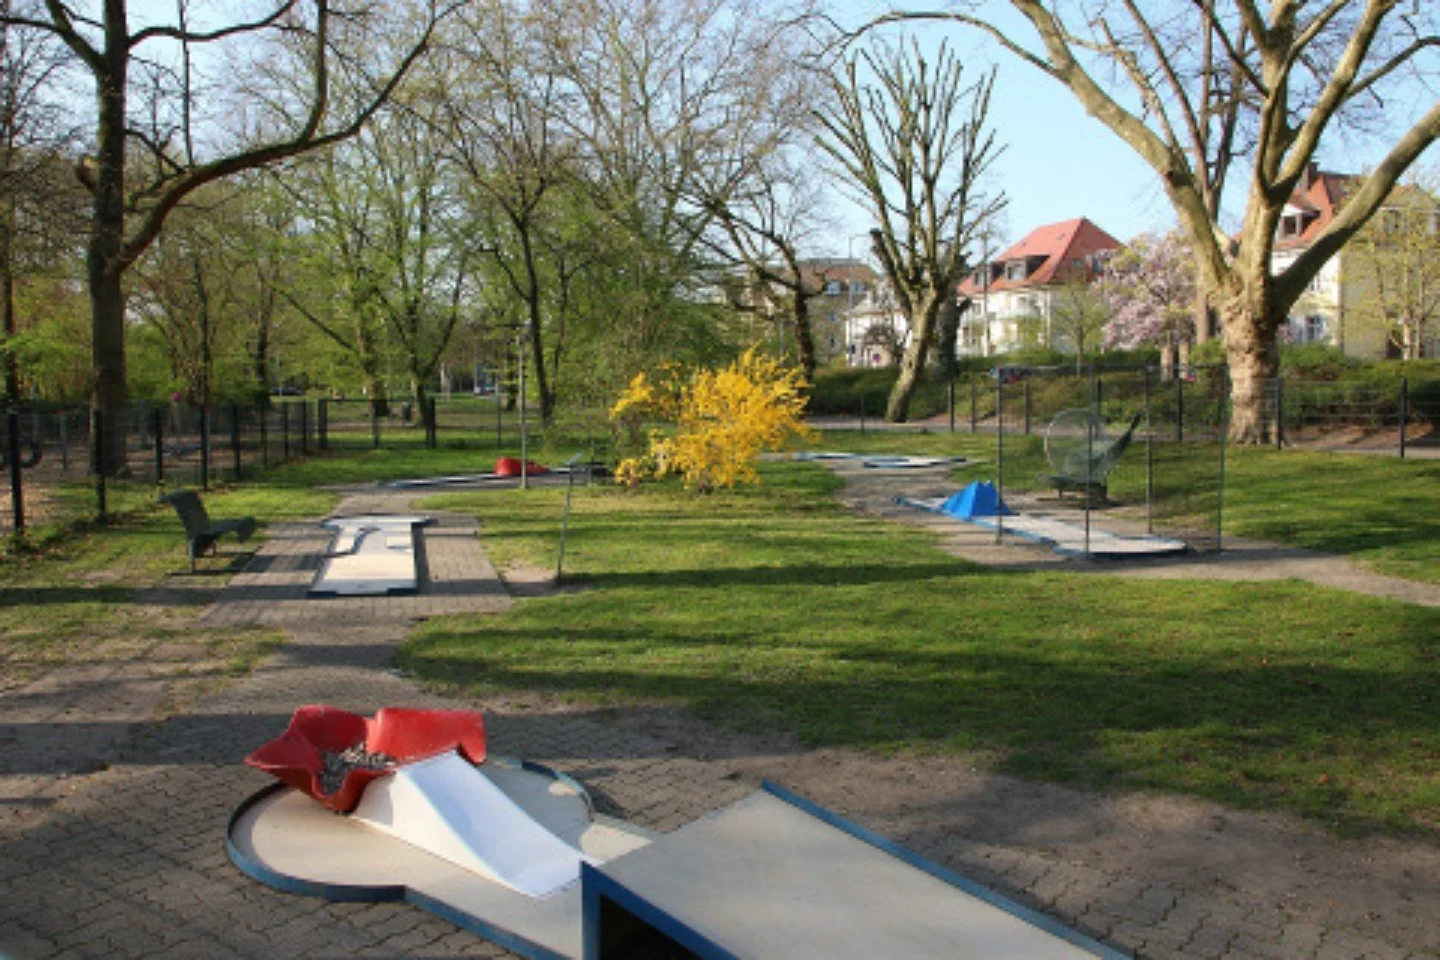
(201, 532)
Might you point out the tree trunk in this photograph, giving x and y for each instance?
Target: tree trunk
(922, 327)
(1254, 362)
(948, 324)
(107, 311)
(804, 338)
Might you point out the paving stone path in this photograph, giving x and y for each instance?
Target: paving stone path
(121, 853)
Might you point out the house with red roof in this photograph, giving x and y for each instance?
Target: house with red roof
(1349, 301)
(1012, 296)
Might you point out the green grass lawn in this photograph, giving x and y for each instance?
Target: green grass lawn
(73, 598)
(774, 609)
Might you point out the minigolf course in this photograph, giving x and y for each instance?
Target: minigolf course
(980, 504)
(370, 556)
(515, 852)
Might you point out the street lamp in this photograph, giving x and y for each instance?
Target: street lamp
(850, 297)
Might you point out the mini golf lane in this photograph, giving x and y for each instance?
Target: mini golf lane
(1063, 536)
(770, 876)
(370, 556)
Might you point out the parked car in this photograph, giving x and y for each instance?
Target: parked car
(288, 391)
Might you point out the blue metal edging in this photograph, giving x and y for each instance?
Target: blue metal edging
(1033, 917)
(595, 886)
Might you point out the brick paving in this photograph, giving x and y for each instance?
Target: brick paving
(125, 856)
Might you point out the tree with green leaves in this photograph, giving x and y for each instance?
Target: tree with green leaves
(167, 95)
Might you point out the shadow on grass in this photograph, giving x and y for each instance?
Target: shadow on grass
(1347, 743)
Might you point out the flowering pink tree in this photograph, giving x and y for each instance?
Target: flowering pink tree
(1150, 290)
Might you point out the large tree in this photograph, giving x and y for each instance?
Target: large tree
(912, 142)
(158, 140)
(1294, 71)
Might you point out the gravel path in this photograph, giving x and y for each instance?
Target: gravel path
(121, 852)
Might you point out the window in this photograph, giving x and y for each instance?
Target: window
(1015, 271)
(858, 286)
(832, 288)
(1390, 221)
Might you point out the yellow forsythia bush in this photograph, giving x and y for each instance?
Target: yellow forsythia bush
(724, 420)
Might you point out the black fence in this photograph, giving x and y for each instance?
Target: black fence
(1393, 417)
(47, 451)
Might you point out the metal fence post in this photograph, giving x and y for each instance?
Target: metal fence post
(1027, 408)
(1279, 413)
(264, 437)
(17, 483)
(285, 431)
(322, 423)
(862, 413)
(304, 426)
(1149, 461)
(952, 404)
(1404, 411)
(432, 425)
(999, 458)
(205, 446)
(974, 405)
(235, 439)
(375, 423)
(1179, 409)
(97, 446)
(157, 425)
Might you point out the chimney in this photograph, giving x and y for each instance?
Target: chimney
(1311, 174)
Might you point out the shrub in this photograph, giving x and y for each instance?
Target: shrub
(724, 420)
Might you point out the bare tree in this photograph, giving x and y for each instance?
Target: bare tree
(763, 223)
(156, 142)
(658, 94)
(919, 165)
(1294, 70)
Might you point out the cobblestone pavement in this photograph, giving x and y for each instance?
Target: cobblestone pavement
(126, 857)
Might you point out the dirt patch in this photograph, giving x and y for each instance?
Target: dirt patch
(523, 580)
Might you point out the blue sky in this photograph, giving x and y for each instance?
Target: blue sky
(1059, 163)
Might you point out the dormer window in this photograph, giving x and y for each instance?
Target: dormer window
(832, 288)
(1015, 271)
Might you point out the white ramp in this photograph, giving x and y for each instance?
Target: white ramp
(370, 556)
(448, 807)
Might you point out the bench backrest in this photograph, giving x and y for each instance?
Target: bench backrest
(192, 511)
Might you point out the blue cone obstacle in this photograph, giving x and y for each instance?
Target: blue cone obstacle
(977, 500)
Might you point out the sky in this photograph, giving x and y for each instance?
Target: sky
(1059, 163)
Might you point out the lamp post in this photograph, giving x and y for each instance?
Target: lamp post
(850, 298)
